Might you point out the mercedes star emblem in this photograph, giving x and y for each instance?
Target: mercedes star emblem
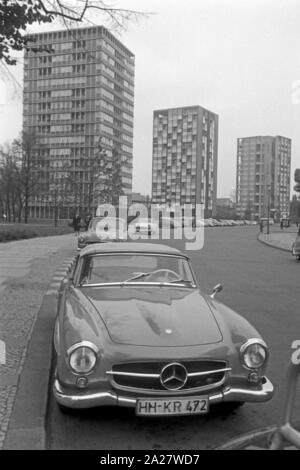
(173, 376)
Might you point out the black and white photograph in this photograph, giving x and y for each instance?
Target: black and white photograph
(149, 228)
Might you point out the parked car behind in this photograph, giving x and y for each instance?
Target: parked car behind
(143, 226)
(103, 229)
(296, 247)
(169, 222)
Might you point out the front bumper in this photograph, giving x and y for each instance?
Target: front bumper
(111, 398)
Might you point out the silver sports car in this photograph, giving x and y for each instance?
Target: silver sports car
(134, 329)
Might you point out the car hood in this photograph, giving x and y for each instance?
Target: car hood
(155, 316)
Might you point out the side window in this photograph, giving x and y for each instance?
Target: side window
(73, 272)
(187, 272)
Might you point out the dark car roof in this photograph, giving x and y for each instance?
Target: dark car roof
(130, 247)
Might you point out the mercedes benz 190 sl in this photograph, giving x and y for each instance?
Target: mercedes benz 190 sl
(134, 329)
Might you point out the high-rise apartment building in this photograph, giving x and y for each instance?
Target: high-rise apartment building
(78, 94)
(185, 157)
(263, 176)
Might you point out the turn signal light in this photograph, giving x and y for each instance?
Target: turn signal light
(253, 377)
(81, 382)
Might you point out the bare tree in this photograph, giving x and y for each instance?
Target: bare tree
(16, 15)
(9, 184)
(25, 150)
(249, 210)
(297, 180)
(102, 181)
(59, 190)
(109, 183)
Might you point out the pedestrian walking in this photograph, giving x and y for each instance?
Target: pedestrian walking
(76, 224)
(261, 224)
(87, 221)
(281, 224)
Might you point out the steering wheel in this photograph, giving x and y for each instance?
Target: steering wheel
(166, 277)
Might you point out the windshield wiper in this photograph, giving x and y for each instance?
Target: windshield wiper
(137, 276)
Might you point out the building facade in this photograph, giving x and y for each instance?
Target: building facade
(185, 157)
(78, 101)
(138, 198)
(263, 176)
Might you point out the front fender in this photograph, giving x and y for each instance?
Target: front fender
(77, 321)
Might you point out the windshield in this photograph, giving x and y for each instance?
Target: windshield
(132, 268)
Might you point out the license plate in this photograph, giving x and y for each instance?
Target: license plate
(172, 406)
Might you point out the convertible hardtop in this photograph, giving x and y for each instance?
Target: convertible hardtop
(130, 247)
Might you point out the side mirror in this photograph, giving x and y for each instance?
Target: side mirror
(216, 289)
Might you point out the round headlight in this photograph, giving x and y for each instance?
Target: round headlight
(254, 354)
(82, 360)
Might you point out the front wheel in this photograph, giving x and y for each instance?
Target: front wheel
(298, 257)
(65, 410)
(230, 406)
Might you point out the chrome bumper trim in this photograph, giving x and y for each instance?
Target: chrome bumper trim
(157, 376)
(95, 399)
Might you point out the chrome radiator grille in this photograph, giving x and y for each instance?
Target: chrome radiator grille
(149, 375)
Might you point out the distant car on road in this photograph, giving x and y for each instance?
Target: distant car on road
(188, 221)
(143, 227)
(134, 329)
(103, 229)
(173, 223)
(201, 223)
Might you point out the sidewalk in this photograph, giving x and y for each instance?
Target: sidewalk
(281, 239)
(26, 268)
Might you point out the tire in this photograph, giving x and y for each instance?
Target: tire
(298, 258)
(231, 406)
(65, 410)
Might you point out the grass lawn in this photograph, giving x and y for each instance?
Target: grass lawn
(11, 231)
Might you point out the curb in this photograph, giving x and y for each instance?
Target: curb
(27, 425)
(272, 245)
(241, 442)
(258, 439)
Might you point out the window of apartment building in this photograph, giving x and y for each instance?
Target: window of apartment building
(62, 70)
(78, 104)
(79, 68)
(78, 92)
(107, 94)
(77, 128)
(43, 129)
(128, 106)
(127, 116)
(78, 44)
(61, 93)
(60, 128)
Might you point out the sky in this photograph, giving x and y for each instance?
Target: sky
(237, 58)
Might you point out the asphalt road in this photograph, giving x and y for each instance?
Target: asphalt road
(262, 284)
